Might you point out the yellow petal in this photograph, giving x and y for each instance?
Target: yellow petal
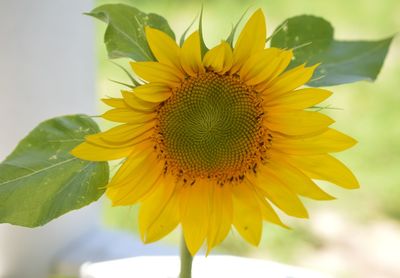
(163, 47)
(280, 195)
(195, 208)
(157, 72)
(326, 167)
(122, 136)
(299, 99)
(329, 141)
(138, 104)
(191, 55)
(219, 58)
(166, 221)
(267, 212)
(141, 180)
(137, 156)
(153, 92)
(251, 40)
(293, 178)
(247, 217)
(114, 102)
(286, 58)
(127, 115)
(125, 132)
(297, 122)
(220, 216)
(154, 204)
(288, 81)
(261, 66)
(88, 151)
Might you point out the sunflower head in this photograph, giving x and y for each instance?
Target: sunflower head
(218, 140)
(211, 127)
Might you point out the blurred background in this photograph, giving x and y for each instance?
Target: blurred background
(357, 235)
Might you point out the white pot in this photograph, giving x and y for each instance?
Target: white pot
(203, 267)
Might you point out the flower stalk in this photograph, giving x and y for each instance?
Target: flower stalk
(186, 260)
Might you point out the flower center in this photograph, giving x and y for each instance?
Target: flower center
(211, 128)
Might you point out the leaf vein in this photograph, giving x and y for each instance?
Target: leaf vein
(39, 171)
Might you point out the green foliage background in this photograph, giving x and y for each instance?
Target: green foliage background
(367, 111)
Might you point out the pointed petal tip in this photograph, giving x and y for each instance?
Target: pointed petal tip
(208, 251)
(259, 13)
(133, 65)
(321, 195)
(280, 224)
(352, 142)
(195, 34)
(331, 198)
(313, 67)
(147, 240)
(104, 100)
(328, 93)
(328, 197)
(355, 185)
(301, 214)
(255, 242)
(149, 32)
(304, 214)
(193, 249)
(153, 33)
(142, 236)
(113, 203)
(74, 153)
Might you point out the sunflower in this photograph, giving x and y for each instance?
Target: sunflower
(218, 140)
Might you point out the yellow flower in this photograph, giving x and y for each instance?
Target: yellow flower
(212, 141)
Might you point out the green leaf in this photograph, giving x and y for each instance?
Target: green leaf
(125, 35)
(350, 61)
(40, 180)
(183, 37)
(133, 80)
(231, 36)
(309, 35)
(203, 45)
(122, 83)
(341, 61)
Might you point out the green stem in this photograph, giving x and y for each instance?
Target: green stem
(186, 260)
